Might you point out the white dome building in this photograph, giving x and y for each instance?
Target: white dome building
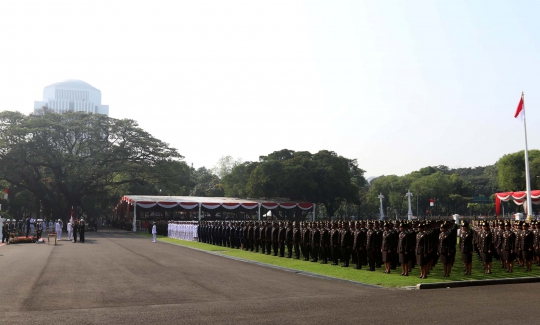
(71, 95)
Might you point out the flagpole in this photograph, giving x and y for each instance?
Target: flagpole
(527, 172)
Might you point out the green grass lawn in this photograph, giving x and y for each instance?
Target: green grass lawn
(378, 277)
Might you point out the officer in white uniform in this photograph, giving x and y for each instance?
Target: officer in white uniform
(70, 230)
(59, 227)
(154, 232)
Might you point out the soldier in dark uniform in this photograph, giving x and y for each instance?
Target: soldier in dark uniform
(358, 245)
(325, 243)
(486, 244)
(497, 242)
(5, 231)
(315, 242)
(268, 238)
(334, 243)
(281, 239)
(251, 236)
(297, 240)
(262, 237)
(275, 237)
(508, 247)
(444, 249)
(346, 243)
(27, 225)
(403, 248)
(422, 251)
(527, 247)
(306, 232)
(75, 226)
(387, 247)
(519, 239)
(536, 242)
(82, 229)
(257, 236)
(372, 246)
(466, 247)
(289, 239)
(379, 232)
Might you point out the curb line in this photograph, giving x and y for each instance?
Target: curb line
(474, 283)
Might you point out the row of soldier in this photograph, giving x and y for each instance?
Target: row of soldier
(361, 243)
(185, 230)
(509, 243)
(375, 243)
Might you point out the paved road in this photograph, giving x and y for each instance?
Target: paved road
(120, 278)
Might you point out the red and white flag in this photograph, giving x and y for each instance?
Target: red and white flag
(520, 111)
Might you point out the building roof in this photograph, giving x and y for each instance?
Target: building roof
(73, 84)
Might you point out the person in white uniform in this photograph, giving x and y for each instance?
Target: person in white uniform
(70, 230)
(50, 226)
(154, 232)
(59, 227)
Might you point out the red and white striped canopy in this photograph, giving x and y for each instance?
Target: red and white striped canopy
(518, 198)
(210, 203)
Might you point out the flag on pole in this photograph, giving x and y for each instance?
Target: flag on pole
(520, 111)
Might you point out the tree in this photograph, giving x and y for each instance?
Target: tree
(225, 165)
(205, 183)
(324, 178)
(72, 158)
(235, 183)
(511, 169)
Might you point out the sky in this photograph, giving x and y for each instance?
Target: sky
(397, 85)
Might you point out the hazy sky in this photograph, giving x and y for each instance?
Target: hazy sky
(397, 85)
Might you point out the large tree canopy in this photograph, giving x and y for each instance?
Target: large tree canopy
(324, 177)
(512, 170)
(71, 158)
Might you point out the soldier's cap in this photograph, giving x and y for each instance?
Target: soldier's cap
(7, 220)
(525, 224)
(507, 224)
(444, 225)
(59, 220)
(465, 224)
(421, 225)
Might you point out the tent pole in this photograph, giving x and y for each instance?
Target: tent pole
(314, 209)
(200, 211)
(135, 216)
(259, 213)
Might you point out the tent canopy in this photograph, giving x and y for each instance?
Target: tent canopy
(518, 198)
(210, 203)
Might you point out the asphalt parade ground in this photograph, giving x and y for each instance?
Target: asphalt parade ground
(120, 278)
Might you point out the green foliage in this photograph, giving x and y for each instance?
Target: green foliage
(511, 169)
(77, 159)
(323, 177)
(205, 183)
(235, 183)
